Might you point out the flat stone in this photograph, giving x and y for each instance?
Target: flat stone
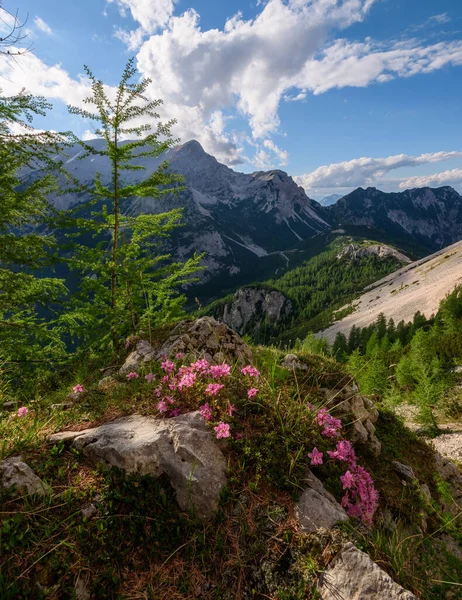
(183, 448)
(10, 405)
(352, 575)
(15, 472)
(62, 406)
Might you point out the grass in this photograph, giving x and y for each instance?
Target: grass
(140, 545)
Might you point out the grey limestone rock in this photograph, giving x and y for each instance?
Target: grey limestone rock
(352, 575)
(143, 353)
(183, 448)
(317, 508)
(15, 472)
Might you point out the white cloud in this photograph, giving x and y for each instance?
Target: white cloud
(451, 177)
(150, 14)
(44, 27)
(248, 68)
(440, 19)
(366, 171)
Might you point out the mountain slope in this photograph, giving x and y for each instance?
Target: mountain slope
(420, 286)
(243, 222)
(429, 218)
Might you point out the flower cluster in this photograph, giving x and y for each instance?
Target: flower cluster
(78, 389)
(360, 498)
(182, 383)
(22, 412)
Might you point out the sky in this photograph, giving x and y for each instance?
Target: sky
(338, 93)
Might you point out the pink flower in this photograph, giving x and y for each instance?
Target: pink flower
(162, 406)
(22, 412)
(78, 389)
(311, 406)
(132, 375)
(252, 392)
(169, 399)
(213, 388)
(168, 366)
(347, 480)
(231, 409)
(187, 381)
(251, 371)
(200, 365)
(150, 377)
(206, 412)
(179, 355)
(219, 371)
(316, 457)
(175, 412)
(222, 430)
(158, 391)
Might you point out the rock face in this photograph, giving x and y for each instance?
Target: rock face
(252, 309)
(15, 472)
(351, 406)
(355, 251)
(429, 217)
(353, 576)
(317, 508)
(206, 338)
(183, 448)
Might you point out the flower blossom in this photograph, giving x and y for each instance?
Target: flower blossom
(222, 430)
(179, 355)
(162, 406)
(175, 412)
(150, 377)
(206, 412)
(132, 375)
(22, 412)
(231, 409)
(213, 388)
(219, 371)
(78, 389)
(316, 457)
(187, 380)
(168, 366)
(251, 371)
(252, 392)
(200, 365)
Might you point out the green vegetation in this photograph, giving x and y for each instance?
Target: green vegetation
(324, 284)
(409, 362)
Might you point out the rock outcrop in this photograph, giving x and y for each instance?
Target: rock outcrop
(183, 448)
(206, 338)
(352, 575)
(355, 251)
(16, 473)
(142, 354)
(352, 407)
(317, 508)
(253, 309)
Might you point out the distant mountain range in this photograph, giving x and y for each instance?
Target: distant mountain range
(253, 226)
(329, 200)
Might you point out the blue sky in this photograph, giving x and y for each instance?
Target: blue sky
(339, 93)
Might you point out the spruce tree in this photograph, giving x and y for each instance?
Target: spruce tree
(130, 282)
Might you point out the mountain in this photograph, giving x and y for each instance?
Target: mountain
(419, 286)
(244, 223)
(332, 199)
(427, 218)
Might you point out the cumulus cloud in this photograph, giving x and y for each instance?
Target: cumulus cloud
(247, 68)
(150, 14)
(367, 171)
(44, 27)
(451, 177)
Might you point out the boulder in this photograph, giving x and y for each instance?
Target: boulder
(15, 472)
(317, 508)
(206, 338)
(352, 575)
(291, 362)
(183, 448)
(142, 354)
(404, 471)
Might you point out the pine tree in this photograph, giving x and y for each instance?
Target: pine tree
(25, 247)
(129, 283)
